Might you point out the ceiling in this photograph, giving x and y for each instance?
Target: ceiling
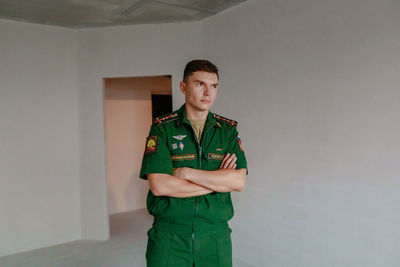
(100, 13)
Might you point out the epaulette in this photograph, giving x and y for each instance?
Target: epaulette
(225, 120)
(166, 118)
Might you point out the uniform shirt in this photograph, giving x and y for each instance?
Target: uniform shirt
(172, 144)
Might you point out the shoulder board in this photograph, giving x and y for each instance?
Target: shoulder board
(225, 120)
(166, 118)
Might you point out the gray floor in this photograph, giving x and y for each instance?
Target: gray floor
(126, 247)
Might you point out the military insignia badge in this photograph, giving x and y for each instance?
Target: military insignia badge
(181, 146)
(240, 142)
(179, 137)
(151, 144)
(174, 146)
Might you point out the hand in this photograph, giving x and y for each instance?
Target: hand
(229, 162)
(179, 172)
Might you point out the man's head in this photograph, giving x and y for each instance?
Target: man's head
(200, 84)
(199, 65)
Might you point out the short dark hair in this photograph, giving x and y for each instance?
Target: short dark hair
(199, 65)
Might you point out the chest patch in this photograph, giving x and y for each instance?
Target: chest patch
(183, 157)
(215, 156)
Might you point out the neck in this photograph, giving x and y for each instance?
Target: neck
(194, 114)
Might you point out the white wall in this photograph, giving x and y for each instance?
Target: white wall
(128, 117)
(313, 84)
(53, 173)
(124, 51)
(39, 160)
(315, 88)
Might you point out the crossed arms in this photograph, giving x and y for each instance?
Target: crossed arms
(188, 182)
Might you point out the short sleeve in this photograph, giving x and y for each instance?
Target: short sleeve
(235, 147)
(156, 157)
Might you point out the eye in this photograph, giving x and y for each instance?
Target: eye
(214, 86)
(198, 83)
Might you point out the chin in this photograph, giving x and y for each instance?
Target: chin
(204, 107)
(201, 106)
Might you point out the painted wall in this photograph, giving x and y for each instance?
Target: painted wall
(39, 155)
(313, 84)
(124, 51)
(128, 117)
(315, 88)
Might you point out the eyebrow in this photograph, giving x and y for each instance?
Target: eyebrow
(204, 82)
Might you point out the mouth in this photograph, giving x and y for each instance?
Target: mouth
(205, 101)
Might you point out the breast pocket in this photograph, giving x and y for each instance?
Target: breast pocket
(215, 151)
(214, 159)
(183, 151)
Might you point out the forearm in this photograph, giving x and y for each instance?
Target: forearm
(168, 185)
(222, 180)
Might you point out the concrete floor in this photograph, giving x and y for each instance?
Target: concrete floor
(126, 247)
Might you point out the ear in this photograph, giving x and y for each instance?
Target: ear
(182, 87)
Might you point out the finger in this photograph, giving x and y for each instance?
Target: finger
(228, 161)
(224, 162)
(232, 162)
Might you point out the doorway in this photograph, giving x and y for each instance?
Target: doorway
(130, 104)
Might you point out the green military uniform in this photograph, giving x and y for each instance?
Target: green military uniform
(190, 231)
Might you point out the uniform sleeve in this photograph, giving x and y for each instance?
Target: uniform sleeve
(235, 147)
(157, 157)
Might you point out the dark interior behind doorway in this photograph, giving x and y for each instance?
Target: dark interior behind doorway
(161, 104)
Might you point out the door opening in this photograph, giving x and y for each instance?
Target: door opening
(130, 104)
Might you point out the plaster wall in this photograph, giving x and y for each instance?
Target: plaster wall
(315, 88)
(39, 154)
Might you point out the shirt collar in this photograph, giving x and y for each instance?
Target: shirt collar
(182, 118)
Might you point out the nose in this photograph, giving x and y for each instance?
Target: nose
(206, 90)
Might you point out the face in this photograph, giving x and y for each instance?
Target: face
(200, 90)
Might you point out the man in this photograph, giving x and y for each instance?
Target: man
(193, 159)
